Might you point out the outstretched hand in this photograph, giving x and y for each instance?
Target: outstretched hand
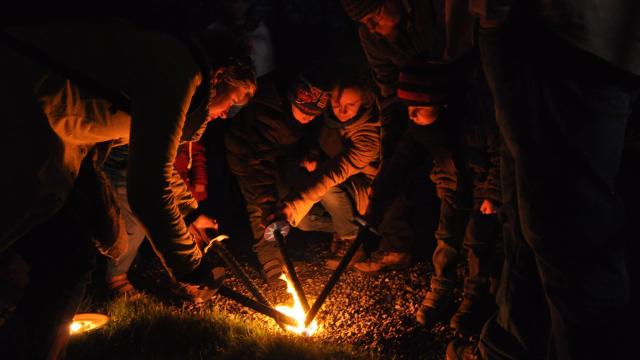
(282, 213)
(309, 165)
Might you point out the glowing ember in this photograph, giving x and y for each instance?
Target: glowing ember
(83, 323)
(296, 312)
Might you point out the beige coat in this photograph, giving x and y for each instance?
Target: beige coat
(54, 122)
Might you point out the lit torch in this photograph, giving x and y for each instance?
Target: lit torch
(296, 311)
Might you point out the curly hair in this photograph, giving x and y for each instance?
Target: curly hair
(232, 54)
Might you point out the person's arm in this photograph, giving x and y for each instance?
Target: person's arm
(362, 148)
(159, 104)
(269, 132)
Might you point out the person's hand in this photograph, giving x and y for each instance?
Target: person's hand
(310, 165)
(284, 213)
(203, 228)
(200, 192)
(488, 208)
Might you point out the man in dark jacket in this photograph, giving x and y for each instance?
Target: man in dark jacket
(258, 143)
(391, 33)
(450, 126)
(563, 117)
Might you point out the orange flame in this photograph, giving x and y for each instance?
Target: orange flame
(296, 312)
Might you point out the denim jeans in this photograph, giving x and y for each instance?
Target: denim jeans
(135, 231)
(116, 170)
(340, 209)
(562, 113)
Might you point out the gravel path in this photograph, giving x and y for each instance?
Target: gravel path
(374, 314)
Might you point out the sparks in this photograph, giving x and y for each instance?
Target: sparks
(296, 312)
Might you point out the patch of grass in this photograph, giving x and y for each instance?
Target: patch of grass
(148, 329)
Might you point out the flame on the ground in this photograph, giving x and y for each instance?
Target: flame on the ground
(83, 323)
(296, 312)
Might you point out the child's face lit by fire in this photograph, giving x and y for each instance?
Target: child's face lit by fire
(424, 115)
(303, 118)
(345, 103)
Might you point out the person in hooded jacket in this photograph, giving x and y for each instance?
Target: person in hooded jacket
(258, 142)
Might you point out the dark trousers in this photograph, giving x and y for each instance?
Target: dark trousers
(395, 229)
(60, 255)
(562, 113)
(477, 234)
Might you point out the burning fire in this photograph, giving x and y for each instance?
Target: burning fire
(296, 312)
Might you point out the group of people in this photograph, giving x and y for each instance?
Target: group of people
(519, 108)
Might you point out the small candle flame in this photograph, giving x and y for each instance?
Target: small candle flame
(78, 327)
(296, 312)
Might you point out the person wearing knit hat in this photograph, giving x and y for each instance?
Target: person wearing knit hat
(307, 100)
(425, 89)
(261, 145)
(451, 126)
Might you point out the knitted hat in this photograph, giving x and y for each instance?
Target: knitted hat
(309, 99)
(357, 9)
(426, 84)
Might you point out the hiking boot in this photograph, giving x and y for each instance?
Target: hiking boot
(435, 307)
(391, 260)
(194, 293)
(339, 248)
(460, 349)
(120, 286)
(472, 313)
(203, 289)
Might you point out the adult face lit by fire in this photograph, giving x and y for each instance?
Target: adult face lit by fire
(384, 19)
(228, 92)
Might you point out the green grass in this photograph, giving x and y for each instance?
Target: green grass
(148, 329)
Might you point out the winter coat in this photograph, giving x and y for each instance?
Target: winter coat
(429, 30)
(352, 152)
(59, 121)
(257, 140)
(191, 164)
(465, 154)
(608, 29)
